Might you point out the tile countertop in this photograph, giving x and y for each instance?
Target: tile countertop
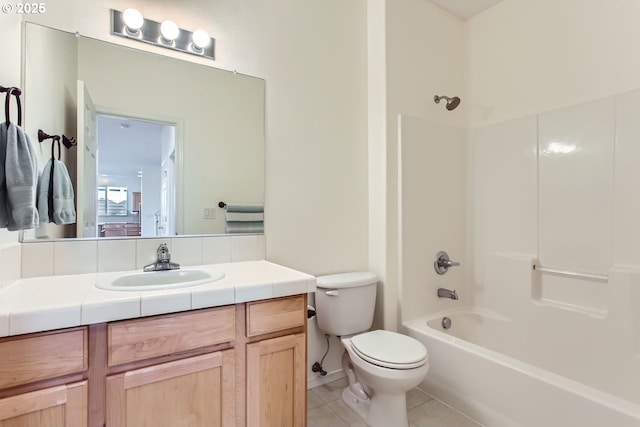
(54, 302)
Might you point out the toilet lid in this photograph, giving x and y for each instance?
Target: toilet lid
(389, 349)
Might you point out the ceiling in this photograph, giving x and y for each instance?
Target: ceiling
(465, 9)
(126, 145)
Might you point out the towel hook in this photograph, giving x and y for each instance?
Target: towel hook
(222, 205)
(69, 142)
(7, 103)
(54, 138)
(53, 143)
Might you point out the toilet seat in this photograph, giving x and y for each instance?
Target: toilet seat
(389, 349)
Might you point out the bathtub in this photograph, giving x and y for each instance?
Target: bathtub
(479, 366)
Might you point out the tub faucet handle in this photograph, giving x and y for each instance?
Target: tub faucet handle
(442, 263)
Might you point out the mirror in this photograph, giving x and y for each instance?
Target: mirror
(214, 120)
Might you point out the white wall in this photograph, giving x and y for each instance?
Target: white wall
(563, 77)
(424, 57)
(525, 57)
(557, 54)
(432, 200)
(503, 191)
(151, 185)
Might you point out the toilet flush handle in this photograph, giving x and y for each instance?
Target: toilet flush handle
(332, 293)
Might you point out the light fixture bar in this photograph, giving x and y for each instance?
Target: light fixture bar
(150, 33)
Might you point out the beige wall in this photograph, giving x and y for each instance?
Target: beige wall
(50, 99)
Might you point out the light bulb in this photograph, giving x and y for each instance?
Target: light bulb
(169, 30)
(201, 39)
(132, 19)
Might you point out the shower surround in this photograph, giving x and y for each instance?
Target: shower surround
(559, 191)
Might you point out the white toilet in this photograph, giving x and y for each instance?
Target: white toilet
(381, 365)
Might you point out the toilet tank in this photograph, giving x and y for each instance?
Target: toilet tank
(345, 302)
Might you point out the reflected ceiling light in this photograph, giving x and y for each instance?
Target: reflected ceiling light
(169, 30)
(559, 148)
(132, 25)
(133, 20)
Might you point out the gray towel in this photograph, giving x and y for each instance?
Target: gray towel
(19, 177)
(4, 212)
(55, 198)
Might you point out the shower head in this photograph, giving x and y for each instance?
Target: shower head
(452, 103)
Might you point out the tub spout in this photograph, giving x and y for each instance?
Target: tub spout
(446, 293)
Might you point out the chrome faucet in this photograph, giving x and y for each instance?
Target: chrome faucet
(446, 293)
(163, 260)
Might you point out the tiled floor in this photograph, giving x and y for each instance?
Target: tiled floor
(326, 409)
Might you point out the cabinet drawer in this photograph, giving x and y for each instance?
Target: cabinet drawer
(139, 339)
(264, 317)
(39, 357)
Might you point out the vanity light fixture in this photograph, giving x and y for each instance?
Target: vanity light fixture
(133, 21)
(169, 31)
(132, 25)
(201, 39)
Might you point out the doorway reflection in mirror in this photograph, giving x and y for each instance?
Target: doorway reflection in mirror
(136, 167)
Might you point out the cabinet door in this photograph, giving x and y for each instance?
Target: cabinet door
(61, 406)
(194, 392)
(276, 382)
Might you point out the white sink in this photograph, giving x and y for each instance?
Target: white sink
(160, 280)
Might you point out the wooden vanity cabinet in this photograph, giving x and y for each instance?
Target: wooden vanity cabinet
(276, 365)
(232, 366)
(60, 406)
(39, 379)
(192, 392)
(197, 389)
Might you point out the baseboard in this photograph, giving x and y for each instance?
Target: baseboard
(317, 379)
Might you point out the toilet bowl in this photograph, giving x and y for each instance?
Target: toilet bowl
(381, 366)
(384, 379)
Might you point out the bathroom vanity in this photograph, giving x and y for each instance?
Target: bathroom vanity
(238, 364)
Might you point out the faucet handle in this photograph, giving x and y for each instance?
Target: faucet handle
(163, 254)
(442, 262)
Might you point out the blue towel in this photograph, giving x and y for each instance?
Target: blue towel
(18, 179)
(245, 227)
(55, 194)
(245, 219)
(245, 208)
(245, 216)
